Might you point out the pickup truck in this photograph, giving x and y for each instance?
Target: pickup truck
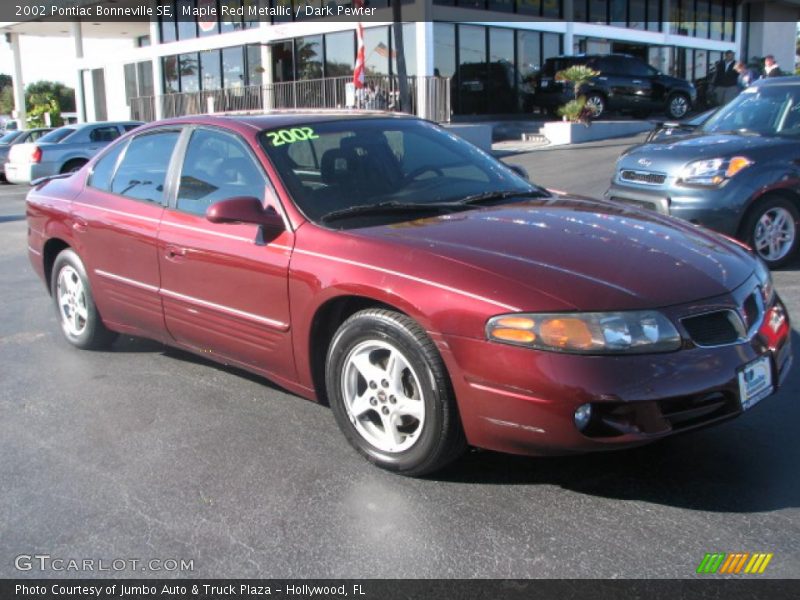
(63, 150)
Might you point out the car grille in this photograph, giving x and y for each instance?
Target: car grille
(714, 328)
(726, 326)
(642, 177)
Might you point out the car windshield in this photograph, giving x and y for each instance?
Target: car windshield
(765, 110)
(372, 167)
(57, 135)
(9, 137)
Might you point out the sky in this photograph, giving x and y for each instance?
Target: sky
(51, 58)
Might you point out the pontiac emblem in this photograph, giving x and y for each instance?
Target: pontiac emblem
(644, 162)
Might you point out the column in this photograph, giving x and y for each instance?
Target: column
(426, 85)
(77, 39)
(18, 83)
(158, 74)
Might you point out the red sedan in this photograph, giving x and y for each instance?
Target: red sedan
(427, 292)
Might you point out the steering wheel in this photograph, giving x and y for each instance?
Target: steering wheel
(419, 171)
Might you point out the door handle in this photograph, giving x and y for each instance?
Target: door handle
(79, 225)
(175, 253)
(637, 81)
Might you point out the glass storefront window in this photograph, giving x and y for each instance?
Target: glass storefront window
(598, 11)
(501, 5)
(551, 8)
(502, 94)
(637, 14)
(529, 7)
(144, 71)
(189, 68)
(410, 46)
(282, 62)
(444, 49)
(211, 75)
(472, 77)
(701, 19)
(618, 12)
(255, 70)
(376, 47)
(308, 57)
(230, 22)
(169, 68)
(167, 30)
(233, 75)
(551, 45)
(186, 29)
(654, 15)
(339, 53)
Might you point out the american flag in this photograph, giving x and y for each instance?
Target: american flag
(358, 72)
(383, 50)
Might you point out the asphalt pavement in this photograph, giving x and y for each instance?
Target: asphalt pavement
(148, 453)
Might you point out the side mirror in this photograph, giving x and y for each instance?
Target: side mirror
(520, 170)
(244, 209)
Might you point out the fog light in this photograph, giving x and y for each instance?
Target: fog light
(582, 416)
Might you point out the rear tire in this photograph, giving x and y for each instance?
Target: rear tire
(390, 393)
(596, 103)
(771, 229)
(74, 304)
(678, 106)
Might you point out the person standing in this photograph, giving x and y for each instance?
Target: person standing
(726, 79)
(771, 67)
(746, 75)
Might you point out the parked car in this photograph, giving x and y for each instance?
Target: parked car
(12, 138)
(625, 83)
(428, 293)
(62, 150)
(737, 173)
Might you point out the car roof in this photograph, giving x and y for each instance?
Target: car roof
(581, 56)
(285, 118)
(774, 81)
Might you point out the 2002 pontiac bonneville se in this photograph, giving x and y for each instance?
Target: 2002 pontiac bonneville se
(429, 293)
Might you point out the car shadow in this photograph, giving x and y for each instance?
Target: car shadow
(131, 344)
(746, 465)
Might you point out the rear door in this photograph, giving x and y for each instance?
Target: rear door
(116, 224)
(225, 286)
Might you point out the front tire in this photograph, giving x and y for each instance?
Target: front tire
(390, 393)
(771, 230)
(74, 304)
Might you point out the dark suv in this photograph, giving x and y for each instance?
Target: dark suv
(625, 83)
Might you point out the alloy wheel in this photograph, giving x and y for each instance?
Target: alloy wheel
(775, 233)
(383, 396)
(72, 301)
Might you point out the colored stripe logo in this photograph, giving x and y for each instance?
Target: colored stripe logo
(734, 563)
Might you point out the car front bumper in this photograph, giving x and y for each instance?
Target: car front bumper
(719, 209)
(523, 401)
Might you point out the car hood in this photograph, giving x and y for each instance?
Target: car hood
(564, 253)
(668, 154)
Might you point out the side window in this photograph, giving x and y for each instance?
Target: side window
(637, 68)
(104, 134)
(35, 135)
(130, 126)
(143, 170)
(103, 169)
(217, 166)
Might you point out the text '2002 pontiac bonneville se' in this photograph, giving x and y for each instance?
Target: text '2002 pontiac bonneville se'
(429, 293)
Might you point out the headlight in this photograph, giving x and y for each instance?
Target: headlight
(712, 171)
(635, 332)
(765, 281)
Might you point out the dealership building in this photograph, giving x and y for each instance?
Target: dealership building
(486, 50)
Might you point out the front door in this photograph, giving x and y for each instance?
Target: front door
(224, 287)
